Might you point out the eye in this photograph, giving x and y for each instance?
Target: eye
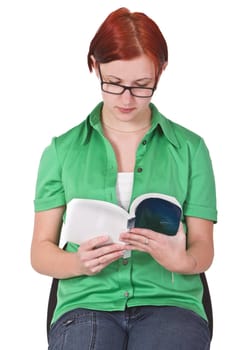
(113, 82)
(144, 83)
(141, 85)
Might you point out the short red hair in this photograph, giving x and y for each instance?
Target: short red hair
(125, 35)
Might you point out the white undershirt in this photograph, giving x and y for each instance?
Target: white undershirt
(124, 189)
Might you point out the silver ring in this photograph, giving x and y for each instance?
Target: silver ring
(146, 242)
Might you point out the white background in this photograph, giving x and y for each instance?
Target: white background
(46, 88)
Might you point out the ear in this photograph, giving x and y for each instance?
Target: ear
(164, 66)
(95, 65)
(162, 69)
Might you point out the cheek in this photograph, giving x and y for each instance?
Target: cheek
(143, 103)
(109, 99)
(110, 103)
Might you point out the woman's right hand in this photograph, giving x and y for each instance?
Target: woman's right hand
(95, 254)
(49, 259)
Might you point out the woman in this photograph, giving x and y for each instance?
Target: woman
(125, 148)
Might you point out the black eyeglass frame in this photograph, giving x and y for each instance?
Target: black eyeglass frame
(124, 87)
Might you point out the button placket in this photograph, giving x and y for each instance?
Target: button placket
(140, 153)
(125, 283)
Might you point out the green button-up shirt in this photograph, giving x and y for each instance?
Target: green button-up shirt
(170, 159)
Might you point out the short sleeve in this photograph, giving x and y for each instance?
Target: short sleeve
(49, 188)
(201, 197)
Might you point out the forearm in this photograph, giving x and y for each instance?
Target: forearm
(48, 259)
(200, 246)
(197, 258)
(202, 255)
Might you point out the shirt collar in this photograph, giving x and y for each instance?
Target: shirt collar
(167, 127)
(92, 121)
(158, 121)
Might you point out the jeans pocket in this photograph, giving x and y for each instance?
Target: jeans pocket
(58, 330)
(75, 329)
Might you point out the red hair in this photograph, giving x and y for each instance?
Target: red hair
(125, 35)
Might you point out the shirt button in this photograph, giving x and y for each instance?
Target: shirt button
(125, 262)
(126, 294)
(139, 170)
(144, 142)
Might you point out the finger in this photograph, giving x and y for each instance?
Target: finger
(142, 244)
(137, 234)
(93, 266)
(102, 242)
(142, 231)
(111, 256)
(133, 238)
(99, 263)
(96, 242)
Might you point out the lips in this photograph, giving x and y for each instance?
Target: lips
(125, 110)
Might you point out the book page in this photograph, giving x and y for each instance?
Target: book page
(87, 218)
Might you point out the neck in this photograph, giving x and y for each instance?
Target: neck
(123, 131)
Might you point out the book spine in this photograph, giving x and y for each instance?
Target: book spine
(131, 223)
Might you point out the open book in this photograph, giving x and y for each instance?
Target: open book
(87, 218)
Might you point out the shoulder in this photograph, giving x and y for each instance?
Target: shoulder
(61, 145)
(70, 136)
(190, 141)
(184, 134)
(79, 133)
(179, 135)
(73, 139)
(185, 137)
(191, 145)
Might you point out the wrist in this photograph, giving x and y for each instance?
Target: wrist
(75, 267)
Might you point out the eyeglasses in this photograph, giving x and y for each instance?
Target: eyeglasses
(119, 89)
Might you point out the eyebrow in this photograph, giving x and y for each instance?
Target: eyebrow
(147, 79)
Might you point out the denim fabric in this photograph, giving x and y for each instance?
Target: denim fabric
(136, 328)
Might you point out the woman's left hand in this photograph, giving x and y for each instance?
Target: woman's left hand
(168, 251)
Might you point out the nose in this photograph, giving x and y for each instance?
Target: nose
(126, 96)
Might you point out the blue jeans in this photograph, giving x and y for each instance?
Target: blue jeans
(136, 328)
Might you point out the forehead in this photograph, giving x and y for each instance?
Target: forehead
(137, 68)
